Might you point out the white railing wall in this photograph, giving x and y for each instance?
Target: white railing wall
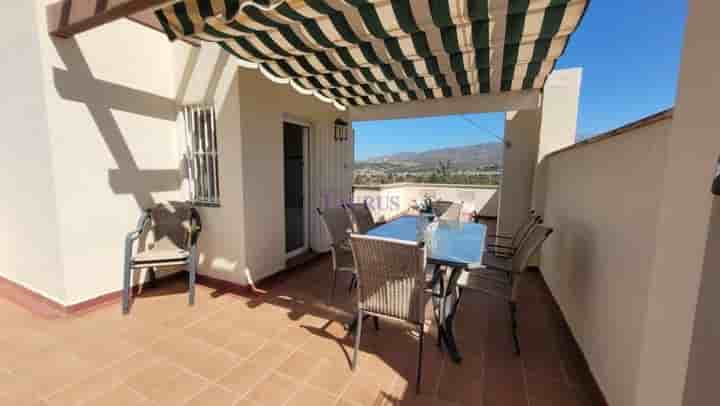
(387, 201)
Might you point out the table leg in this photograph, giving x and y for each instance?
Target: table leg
(446, 298)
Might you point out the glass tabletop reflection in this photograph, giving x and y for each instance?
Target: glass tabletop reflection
(452, 243)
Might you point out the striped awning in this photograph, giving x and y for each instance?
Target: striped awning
(365, 52)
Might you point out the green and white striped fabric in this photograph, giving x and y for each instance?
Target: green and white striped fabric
(364, 52)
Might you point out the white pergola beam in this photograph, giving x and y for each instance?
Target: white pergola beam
(481, 103)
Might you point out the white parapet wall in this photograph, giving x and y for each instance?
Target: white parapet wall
(602, 198)
(390, 200)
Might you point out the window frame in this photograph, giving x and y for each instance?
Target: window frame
(202, 155)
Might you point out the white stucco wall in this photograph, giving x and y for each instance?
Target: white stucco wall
(598, 263)
(29, 245)
(100, 145)
(99, 113)
(110, 99)
(246, 235)
(264, 104)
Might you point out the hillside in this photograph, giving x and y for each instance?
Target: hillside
(469, 157)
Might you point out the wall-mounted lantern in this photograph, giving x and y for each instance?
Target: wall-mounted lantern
(342, 130)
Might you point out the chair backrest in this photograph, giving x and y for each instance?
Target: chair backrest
(360, 217)
(391, 277)
(171, 225)
(532, 243)
(525, 228)
(441, 206)
(337, 224)
(453, 212)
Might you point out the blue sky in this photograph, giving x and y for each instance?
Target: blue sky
(630, 55)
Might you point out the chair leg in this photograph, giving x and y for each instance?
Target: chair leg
(353, 283)
(358, 331)
(193, 274)
(127, 273)
(514, 324)
(152, 278)
(333, 278)
(441, 310)
(377, 323)
(420, 359)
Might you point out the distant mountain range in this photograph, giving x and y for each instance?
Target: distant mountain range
(467, 157)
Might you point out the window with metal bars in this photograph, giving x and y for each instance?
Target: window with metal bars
(202, 155)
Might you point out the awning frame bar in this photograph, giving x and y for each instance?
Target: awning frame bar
(67, 18)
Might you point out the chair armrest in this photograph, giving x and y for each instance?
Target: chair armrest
(503, 255)
(135, 234)
(500, 250)
(503, 236)
(480, 267)
(500, 247)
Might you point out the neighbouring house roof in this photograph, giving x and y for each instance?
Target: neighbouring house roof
(365, 52)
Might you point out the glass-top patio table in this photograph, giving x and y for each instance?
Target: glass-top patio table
(451, 246)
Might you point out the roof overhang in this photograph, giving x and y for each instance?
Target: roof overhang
(360, 54)
(478, 103)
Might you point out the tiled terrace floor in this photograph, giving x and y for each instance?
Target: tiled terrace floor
(282, 348)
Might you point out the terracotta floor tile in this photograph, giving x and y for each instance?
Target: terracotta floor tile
(274, 390)
(120, 396)
(21, 401)
(101, 350)
(504, 385)
(166, 383)
(14, 385)
(190, 316)
(155, 375)
(313, 397)
(285, 344)
(366, 393)
(331, 377)
(214, 330)
(103, 381)
(293, 336)
(215, 396)
(272, 354)
(210, 365)
(173, 389)
(462, 383)
(301, 365)
(53, 370)
(245, 345)
(545, 392)
(423, 400)
(245, 376)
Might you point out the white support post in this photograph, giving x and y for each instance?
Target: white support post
(530, 136)
(522, 138)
